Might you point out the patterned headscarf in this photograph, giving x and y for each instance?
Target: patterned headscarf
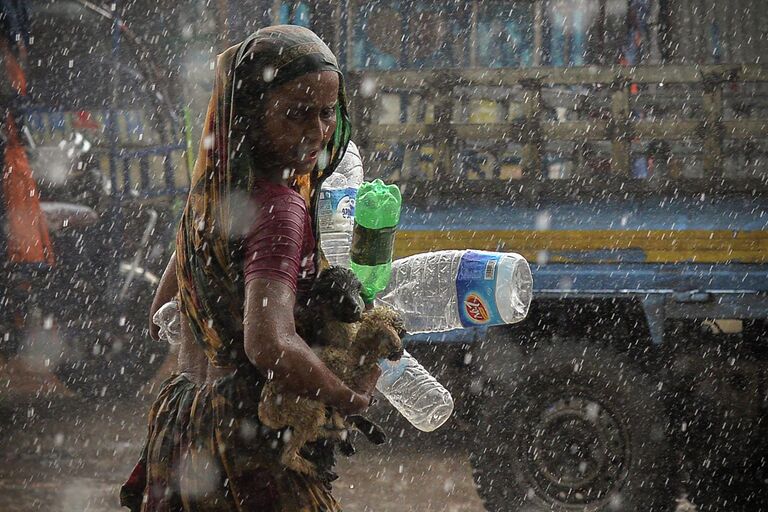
(209, 240)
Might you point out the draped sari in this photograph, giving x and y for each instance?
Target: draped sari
(206, 448)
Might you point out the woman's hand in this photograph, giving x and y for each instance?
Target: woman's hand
(363, 394)
(272, 345)
(368, 384)
(356, 404)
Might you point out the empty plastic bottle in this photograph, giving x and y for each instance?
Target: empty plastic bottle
(444, 290)
(377, 213)
(168, 319)
(410, 388)
(336, 207)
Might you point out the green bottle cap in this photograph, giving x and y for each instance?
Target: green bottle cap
(378, 205)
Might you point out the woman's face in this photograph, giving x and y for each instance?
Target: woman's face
(299, 121)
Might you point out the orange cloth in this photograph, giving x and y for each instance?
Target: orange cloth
(28, 238)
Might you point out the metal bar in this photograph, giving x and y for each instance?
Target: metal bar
(762, 13)
(753, 34)
(698, 28)
(600, 28)
(652, 37)
(170, 181)
(137, 257)
(538, 33)
(621, 130)
(644, 277)
(745, 129)
(673, 129)
(683, 35)
(473, 35)
(497, 77)
(145, 151)
(343, 24)
(126, 174)
(144, 173)
(722, 16)
(761, 43)
(111, 121)
(710, 44)
(443, 135)
(533, 146)
(712, 129)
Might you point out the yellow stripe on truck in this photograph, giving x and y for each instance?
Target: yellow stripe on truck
(658, 246)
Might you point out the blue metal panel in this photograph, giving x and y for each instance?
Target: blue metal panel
(574, 280)
(733, 213)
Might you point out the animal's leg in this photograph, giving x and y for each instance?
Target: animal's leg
(291, 457)
(371, 430)
(306, 426)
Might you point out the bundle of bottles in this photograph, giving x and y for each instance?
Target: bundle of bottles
(433, 292)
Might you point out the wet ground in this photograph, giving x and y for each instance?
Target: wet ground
(59, 453)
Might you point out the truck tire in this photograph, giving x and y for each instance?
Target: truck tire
(571, 426)
(111, 355)
(716, 382)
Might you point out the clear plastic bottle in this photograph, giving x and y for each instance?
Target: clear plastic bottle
(168, 319)
(444, 290)
(410, 388)
(336, 208)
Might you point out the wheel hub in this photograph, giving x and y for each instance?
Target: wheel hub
(578, 452)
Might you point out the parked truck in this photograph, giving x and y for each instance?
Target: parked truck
(623, 154)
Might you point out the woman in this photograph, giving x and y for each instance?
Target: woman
(246, 253)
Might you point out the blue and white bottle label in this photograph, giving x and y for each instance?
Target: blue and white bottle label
(476, 289)
(336, 206)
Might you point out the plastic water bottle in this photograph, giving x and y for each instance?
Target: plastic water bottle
(168, 319)
(423, 401)
(444, 290)
(376, 217)
(336, 207)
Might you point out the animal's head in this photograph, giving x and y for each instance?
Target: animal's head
(381, 333)
(336, 294)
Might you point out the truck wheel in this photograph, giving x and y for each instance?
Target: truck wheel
(112, 354)
(569, 427)
(717, 381)
(110, 364)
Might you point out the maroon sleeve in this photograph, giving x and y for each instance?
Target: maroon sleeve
(273, 246)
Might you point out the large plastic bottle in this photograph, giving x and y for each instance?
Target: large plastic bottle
(377, 213)
(444, 290)
(336, 207)
(414, 392)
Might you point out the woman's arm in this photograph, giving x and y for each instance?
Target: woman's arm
(272, 345)
(167, 288)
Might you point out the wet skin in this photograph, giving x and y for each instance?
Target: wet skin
(298, 121)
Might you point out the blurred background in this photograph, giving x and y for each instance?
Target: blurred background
(619, 145)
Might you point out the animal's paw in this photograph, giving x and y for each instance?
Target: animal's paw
(347, 448)
(374, 433)
(327, 476)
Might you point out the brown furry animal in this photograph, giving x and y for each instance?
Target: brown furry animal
(350, 348)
